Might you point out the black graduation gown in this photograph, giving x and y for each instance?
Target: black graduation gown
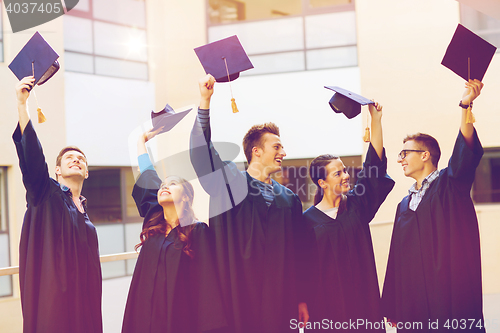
(170, 292)
(341, 254)
(434, 268)
(59, 268)
(255, 244)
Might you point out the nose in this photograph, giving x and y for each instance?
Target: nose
(400, 160)
(283, 152)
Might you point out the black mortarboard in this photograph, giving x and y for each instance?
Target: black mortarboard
(167, 118)
(468, 55)
(215, 56)
(347, 102)
(36, 57)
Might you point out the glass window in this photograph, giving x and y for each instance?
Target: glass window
(5, 281)
(306, 34)
(107, 37)
(328, 3)
(78, 34)
(485, 26)
(332, 57)
(226, 11)
(287, 35)
(103, 192)
(486, 187)
(332, 29)
(126, 12)
(120, 42)
(113, 211)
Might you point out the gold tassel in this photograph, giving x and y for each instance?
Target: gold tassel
(470, 116)
(41, 116)
(233, 105)
(366, 137)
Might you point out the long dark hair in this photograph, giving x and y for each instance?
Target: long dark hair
(156, 224)
(317, 171)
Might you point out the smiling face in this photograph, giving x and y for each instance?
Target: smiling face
(337, 179)
(73, 164)
(271, 155)
(171, 191)
(414, 162)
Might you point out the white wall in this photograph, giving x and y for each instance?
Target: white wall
(298, 104)
(102, 111)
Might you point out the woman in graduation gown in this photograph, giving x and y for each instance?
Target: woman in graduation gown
(174, 288)
(340, 247)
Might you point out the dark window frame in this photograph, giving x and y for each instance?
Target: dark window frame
(484, 171)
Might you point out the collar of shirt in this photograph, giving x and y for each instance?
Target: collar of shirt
(67, 190)
(425, 183)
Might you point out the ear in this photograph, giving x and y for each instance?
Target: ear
(426, 156)
(322, 184)
(86, 174)
(256, 151)
(58, 170)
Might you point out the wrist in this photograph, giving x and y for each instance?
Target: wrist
(464, 104)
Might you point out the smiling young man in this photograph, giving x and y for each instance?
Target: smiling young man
(59, 268)
(256, 221)
(434, 271)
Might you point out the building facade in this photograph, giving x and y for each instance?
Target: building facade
(121, 59)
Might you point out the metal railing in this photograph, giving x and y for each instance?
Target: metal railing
(104, 258)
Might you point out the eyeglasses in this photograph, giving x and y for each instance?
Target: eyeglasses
(402, 154)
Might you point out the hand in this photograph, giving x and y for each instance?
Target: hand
(22, 87)
(472, 90)
(375, 110)
(148, 135)
(206, 85)
(303, 314)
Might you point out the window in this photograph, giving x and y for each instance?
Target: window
(107, 37)
(306, 34)
(485, 26)
(486, 188)
(1, 32)
(112, 210)
(5, 281)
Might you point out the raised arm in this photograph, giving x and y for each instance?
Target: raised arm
(376, 125)
(36, 177)
(472, 91)
(22, 94)
(147, 185)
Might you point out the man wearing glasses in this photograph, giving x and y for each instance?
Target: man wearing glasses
(433, 278)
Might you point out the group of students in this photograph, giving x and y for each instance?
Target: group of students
(261, 264)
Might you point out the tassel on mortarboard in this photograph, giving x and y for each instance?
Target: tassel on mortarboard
(233, 101)
(470, 116)
(41, 116)
(366, 137)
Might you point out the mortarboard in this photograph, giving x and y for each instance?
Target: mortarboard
(347, 102)
(468, 55)
(167, 118)
(37, 59)
(224, 60)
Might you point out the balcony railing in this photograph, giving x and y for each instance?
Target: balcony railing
(104, 258)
